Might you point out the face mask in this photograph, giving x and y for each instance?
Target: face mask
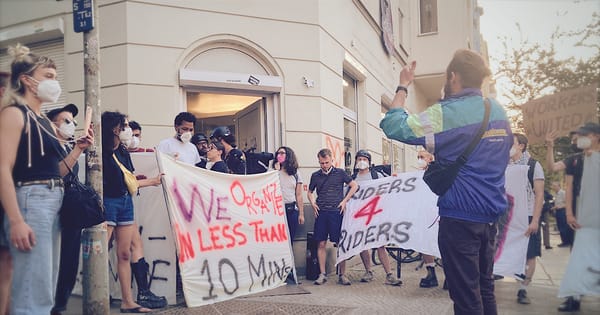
(584, 142)
(280, 158)
(421, 163)
(125, 136)
(512, 152)
(135, 143)
(361, 165)
(48, 91)
(67, 130)
(185, 137)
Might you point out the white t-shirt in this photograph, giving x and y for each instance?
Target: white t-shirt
(538, 173)
(288, 185)
(186, 152)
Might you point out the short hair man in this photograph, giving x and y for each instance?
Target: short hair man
(470, 209)
(329, 207)
(136, 139)
(201, 142)
(179, 146)
(234, 157)
(535, 202)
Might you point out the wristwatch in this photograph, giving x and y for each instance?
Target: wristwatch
(402, 88)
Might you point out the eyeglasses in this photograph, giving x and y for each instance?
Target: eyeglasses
(281, 152)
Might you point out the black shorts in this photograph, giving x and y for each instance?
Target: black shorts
(534, 247)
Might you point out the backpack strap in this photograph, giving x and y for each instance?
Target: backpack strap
(531, 170)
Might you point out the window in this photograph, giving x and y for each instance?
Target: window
(428, 16)
(349, 144)
(350, 97)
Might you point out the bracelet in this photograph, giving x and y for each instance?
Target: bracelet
(402, 88)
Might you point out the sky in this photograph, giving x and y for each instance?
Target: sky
(538, 20)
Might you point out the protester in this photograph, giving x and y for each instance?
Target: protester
(561, 217)
(5, 259)
(201, 143)
(31, 187)
(70, 243)
(118, 171)
(535, 201)
(179, 146)
(573, 166)
(363, 172)
(469, 210)
(430, 280)
(329, 208)
(134, 145)
(581, 276)
(215, 158)
(234, 157)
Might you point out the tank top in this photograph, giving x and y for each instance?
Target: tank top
(38, 152)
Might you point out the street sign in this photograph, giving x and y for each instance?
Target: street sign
(83, 15)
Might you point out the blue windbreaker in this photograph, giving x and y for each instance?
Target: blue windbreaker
(477, 194)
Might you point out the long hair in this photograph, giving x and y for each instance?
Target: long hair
(110, 120)
(24, 63)
(291, 163)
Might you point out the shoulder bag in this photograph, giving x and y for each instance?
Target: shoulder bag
(440, 177)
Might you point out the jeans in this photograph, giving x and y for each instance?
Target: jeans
(467, 250)
(69, 264)
(292, 220)
(35, 271)
(566, 233)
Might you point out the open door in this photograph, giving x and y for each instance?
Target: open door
(249, 126)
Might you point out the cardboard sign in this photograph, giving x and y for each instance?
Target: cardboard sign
(565, 111)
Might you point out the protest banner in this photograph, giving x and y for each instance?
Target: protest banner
(511, 242)
(398, 210)
(562, 112)
(231, 231)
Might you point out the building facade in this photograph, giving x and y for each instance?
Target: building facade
(307, 74)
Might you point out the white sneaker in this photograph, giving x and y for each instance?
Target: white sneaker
(343, 280)
(367, 277)
(392, 280)
(321, 279)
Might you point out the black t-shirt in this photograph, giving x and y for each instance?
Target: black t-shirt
(330, 187)
(574, 167)
(236, 162)
(113, 179)
(220, 166)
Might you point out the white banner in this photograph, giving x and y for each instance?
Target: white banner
(231, 231)
(511, 242)
(399, 210)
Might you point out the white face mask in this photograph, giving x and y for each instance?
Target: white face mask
(584, 142)
(361, 165)
(134, 143)
(125, 136)
(185, 137)
(48, 91)
(67, 130)
(512, 152)
(421, 163)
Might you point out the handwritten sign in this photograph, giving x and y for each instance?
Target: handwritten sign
(399, 210)
(564, 112)
(231, 231)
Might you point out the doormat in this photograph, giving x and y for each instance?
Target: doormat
(290, 289)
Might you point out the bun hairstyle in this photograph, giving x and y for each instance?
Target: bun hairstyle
(24, 63)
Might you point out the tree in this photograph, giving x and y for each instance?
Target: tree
(535, 71)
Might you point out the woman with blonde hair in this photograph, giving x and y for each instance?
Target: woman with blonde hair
(31, 187)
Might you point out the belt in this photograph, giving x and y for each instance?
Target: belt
(291, 203)
(51, 183)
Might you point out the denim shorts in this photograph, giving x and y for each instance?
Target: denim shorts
(119, 210)
(3, 238)
(328, 223)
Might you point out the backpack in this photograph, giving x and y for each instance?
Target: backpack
(257, 162)
(375, 173)
(531, 170)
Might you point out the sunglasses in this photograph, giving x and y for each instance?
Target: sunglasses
(281, 152)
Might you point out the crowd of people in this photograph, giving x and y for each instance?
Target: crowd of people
(39, 259)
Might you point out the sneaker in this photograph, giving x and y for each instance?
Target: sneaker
(343, 280)
(150, 300)
(522, 297)
(321, 279)
(367, 277)
(562, 245)
(392, 280)
(569, 305)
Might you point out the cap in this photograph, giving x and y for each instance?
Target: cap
(198, 137)
(364, 153)
(67, 108)
(588, 128)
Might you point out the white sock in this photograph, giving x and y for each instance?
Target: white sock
(430, 265)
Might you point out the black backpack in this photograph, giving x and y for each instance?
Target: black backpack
(375, 172)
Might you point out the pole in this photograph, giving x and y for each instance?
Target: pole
(94, 240)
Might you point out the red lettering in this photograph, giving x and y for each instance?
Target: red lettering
(256, 228)
(186, 250)
(214, 237)
(202, 247)
(283, 231)
(368, 210)
(228, 236)
(243, 240)
(274, 237)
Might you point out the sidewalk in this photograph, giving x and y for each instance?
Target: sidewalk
(377, 298)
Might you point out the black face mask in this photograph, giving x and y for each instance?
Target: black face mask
(574, 148)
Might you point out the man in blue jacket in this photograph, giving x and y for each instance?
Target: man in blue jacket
(470, 209)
